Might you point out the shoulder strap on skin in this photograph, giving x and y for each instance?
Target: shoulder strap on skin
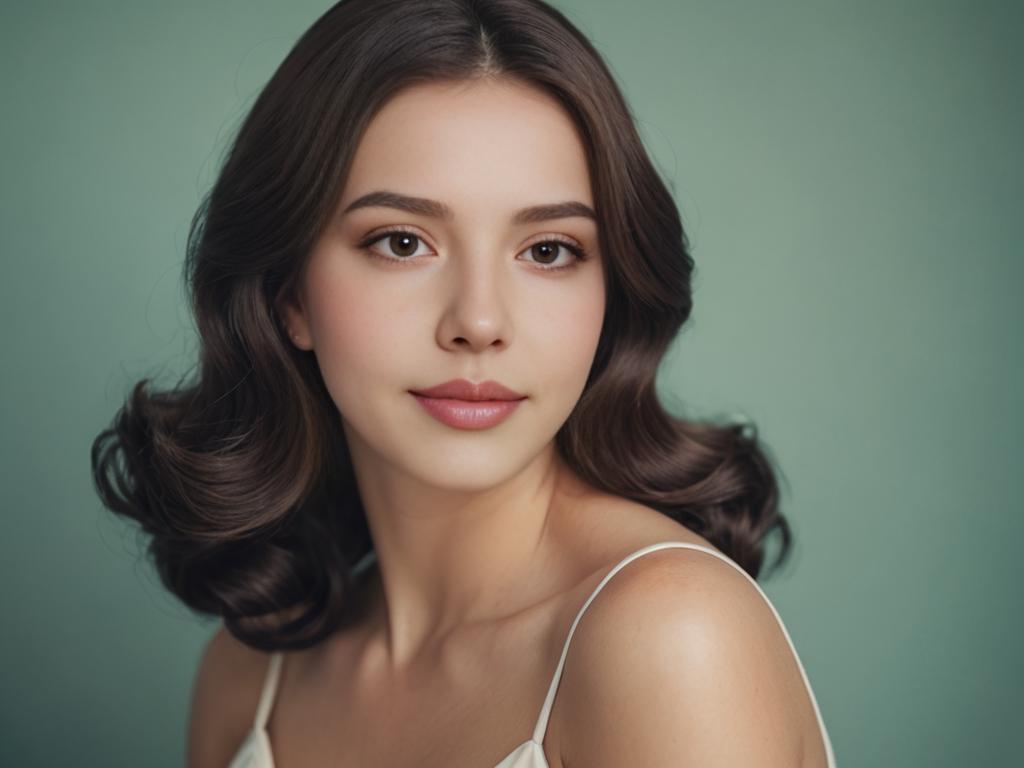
(545, 712)
(269, 690)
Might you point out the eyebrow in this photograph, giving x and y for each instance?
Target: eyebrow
(434, 209)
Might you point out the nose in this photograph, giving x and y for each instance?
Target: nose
(476, 313)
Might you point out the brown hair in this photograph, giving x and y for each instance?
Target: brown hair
(241, 477)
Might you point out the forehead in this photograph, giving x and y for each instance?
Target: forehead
(497, 142)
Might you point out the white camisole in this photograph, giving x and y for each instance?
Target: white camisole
(255, 751)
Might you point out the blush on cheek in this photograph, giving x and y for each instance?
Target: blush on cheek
(342, 310)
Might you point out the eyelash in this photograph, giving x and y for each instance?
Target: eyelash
(578, 251)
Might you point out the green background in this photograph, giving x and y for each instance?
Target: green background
(851, 178)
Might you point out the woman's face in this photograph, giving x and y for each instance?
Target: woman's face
(477, 294)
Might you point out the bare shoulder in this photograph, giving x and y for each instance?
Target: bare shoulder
(679, 660)
(225, 692)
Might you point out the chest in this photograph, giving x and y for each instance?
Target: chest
(468, 709)
(428, 739)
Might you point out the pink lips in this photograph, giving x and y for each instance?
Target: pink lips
(462, 404)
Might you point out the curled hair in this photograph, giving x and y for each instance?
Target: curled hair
(241, 476)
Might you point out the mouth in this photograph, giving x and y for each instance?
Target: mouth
(468, 391)
(468, 414)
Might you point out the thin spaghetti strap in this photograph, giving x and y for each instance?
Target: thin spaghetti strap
(542, 721)
(269, 690)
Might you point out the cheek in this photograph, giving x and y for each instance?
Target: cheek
(564, 339)
(358, 335)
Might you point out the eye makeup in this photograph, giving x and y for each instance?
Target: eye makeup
(578, 251)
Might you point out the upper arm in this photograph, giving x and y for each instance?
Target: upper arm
(682, 663)
(225, 692)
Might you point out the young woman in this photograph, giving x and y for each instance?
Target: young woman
(423, 473)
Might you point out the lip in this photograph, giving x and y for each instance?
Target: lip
(464, 405)
(464, 389)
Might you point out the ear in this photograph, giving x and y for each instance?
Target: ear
(288, 306)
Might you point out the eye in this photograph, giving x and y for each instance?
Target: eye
(549, 249)
(402, 243)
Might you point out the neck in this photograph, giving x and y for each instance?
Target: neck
(449, 558)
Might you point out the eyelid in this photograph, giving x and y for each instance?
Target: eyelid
(376, 234)
(580, 252)
(391, 229)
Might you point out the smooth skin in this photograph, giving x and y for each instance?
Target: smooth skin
(487, 543)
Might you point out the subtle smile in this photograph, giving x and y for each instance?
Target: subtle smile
(463, 404)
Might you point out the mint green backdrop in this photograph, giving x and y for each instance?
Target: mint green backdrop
(851, 178)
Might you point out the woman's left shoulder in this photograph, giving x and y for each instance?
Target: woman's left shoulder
(683, 594)
(685, 569)
(680, 660)
(688, 594)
